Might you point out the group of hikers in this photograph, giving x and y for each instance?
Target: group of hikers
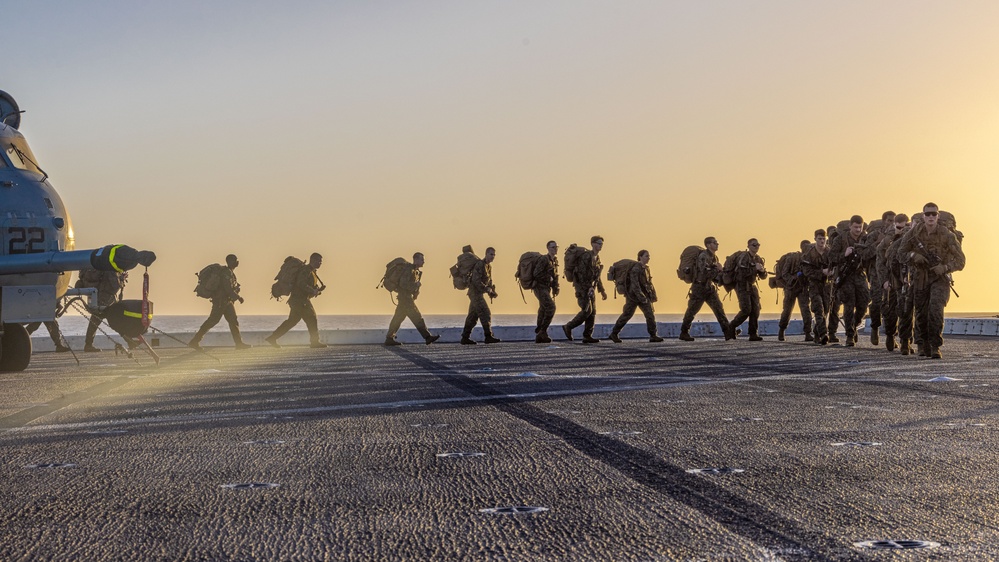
(895, 270)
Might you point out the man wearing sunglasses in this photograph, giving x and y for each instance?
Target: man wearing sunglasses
(749, 268)
(933, 252)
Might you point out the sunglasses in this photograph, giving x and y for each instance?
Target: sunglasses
(930, 213)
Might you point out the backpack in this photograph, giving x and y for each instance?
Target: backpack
(787, 267)
(525, 269)
(394, 271)
(618, 273)
(572, 255)
(688, 264)
(210, 280)
(729, 269)
(461, 272)
(285, 279)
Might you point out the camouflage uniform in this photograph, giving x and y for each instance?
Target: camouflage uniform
(747, 293)
(109, 285)
(892, 309)
(812, 264)
(480, 284)
(931, 290)
(545, 287)
(640, 293)
(852, 290)
(795, 290)
(223, 307)
(703, 290)
(869, 257)
(408, 291)
(587, 276)
(304, 289)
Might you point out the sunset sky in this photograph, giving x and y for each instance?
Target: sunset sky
(370, 130)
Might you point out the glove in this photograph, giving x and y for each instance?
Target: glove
(918, 259)
(939, 269)
(555, 292)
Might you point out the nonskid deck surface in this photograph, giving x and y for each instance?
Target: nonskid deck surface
(372, 453)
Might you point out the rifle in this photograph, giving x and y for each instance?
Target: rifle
(933, 260)
(848, 267)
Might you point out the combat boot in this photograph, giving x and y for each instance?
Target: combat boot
(730, 333)
(655, 338)
(389, 342)
(754, 337)
(685, 336)
(935, 353)
(432, 338)
(60, 348)
(924, 350)
(833, 338)
(467, 341)
(890, 343)
(874, 336)
(567, 331)
(613, 337)
(492, 339)
(241, 345)
(809, 337)
(318, 345)
(542, 338)
(590, 339)
(905, 348)
(780, 334)
(822, 340)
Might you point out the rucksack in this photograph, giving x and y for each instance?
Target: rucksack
(284, 281)
(572, 255)
(461, 272)
(688, 264)
(618, 273)
(394, 270)
(787, 267)
(729, 269)
(525, 269)
(210, 280)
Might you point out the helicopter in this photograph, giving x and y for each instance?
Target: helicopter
(37, 247)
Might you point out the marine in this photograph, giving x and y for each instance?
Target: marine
(703, 289)
(749, 267)
(110, 286)
(639, 293)
(480, 284)
(587, 283)
(893, 279)
(795, 291)
(410, 280)
(306, 287)
(875, 232)
(933, 252)
(545, 290)
(850, 282)
(816, 269)
(223, 299)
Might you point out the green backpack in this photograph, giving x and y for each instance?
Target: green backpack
(394, 271)
(210, 280)
(572, 255)
(284, 281)
(618, 273)
(688, 264)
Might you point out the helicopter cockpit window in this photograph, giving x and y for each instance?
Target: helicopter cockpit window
(21, 157)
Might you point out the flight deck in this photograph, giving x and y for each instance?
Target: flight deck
(705, 450)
